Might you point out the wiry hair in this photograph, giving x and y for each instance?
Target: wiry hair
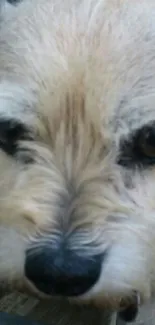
(76, 81)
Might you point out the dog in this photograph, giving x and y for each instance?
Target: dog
(77, 140)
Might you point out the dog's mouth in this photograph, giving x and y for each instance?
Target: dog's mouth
(130, 312)
(126, 312)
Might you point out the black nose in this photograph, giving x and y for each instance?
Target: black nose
(62, 272)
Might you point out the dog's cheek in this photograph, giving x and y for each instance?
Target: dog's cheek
(126, 270)
(12, 254)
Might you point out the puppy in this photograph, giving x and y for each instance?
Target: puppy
(77, 149)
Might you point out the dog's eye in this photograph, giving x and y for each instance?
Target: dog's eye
(139, 149)
(146, 142)
(13, 1)
(11, 133)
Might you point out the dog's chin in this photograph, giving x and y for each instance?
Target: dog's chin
(113, 302)
(116, 287)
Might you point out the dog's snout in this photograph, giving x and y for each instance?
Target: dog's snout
(62, 272)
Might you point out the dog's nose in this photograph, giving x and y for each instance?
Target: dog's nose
(62, 272)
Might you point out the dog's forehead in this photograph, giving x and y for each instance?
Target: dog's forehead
(99, 73)
(110, 109)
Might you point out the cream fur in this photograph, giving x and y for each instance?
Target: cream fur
(81, 75)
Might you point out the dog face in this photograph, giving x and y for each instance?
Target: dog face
(77, 139)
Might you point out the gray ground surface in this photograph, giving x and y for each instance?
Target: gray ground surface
(60, 313)
(49, 312)
(6, 319)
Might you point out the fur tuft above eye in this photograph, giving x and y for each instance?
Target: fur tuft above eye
(11, 132)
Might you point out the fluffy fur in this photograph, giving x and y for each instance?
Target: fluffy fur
(80, 75)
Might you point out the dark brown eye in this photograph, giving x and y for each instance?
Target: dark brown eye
(139, 148)
(11, 133)
(13, 1)
(146, 142)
